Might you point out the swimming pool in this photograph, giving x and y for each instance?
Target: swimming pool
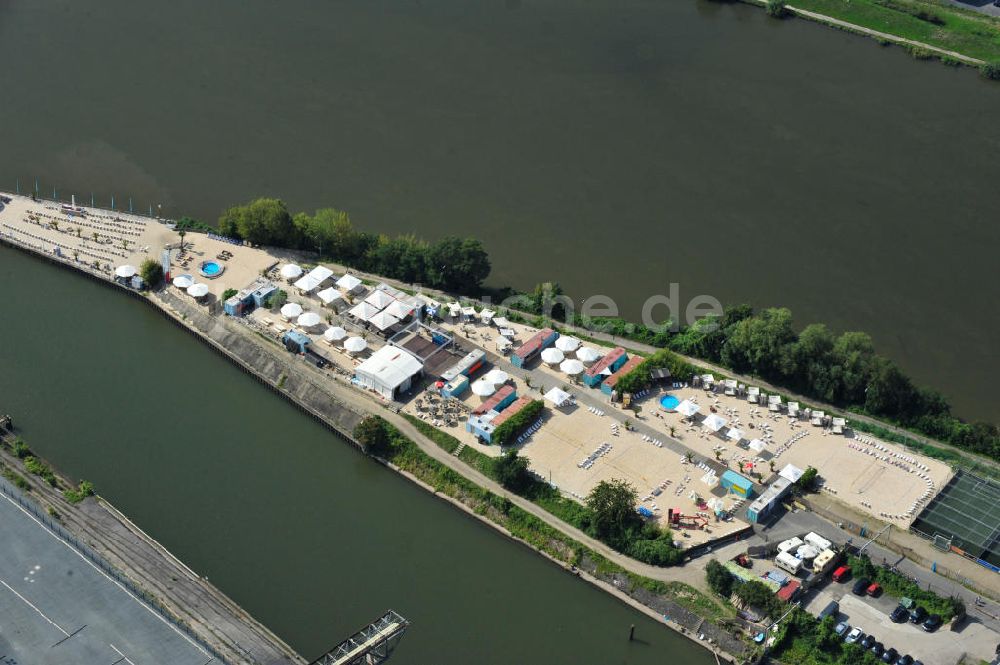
(211, 269)
(669, 402)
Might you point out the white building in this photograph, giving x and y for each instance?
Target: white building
(388, 371)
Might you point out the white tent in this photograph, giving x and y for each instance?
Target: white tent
(454, 309)
(469, 312)
(588, 354)
(388, 371)
(496, 376)
(552, 356)
(383, 320)
(316, 276)
(734, 434)
(291, 271)
(198, 290)
(558, 397)
(566, 344)
(183, 281)
(125, 271)
(501, 322)
(379, 299)
(291, 310)
(399, 309)
(334, 334)
(710, 479)
(486, 316)
(714, 422)
(355, 344)
(363, 311)
(328, 295)
(483, 388)
(571, 366)
(687, 408)
(309, 319)
(348, 282)
(756, 445)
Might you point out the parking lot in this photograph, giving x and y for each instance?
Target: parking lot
(56, 607)
(871, 615)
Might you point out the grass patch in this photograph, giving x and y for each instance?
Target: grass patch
(79, 493)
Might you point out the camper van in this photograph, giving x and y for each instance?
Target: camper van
(791, 544)
(788, 562)
(823, 561)
(819, 542)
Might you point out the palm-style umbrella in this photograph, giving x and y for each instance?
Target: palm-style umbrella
(291, 310)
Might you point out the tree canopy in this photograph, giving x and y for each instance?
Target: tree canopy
(613, 504)
(151, 272)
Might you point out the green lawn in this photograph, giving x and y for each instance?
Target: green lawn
(963, 31)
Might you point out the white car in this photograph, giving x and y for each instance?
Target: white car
(855, 635)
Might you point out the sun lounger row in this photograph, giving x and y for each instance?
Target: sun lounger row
(528, 432)
(589, 460)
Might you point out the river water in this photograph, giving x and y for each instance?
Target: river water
(615, 147)
(304, 532)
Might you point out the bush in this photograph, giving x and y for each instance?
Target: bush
(81, 492)
(228, 293)
(990, 70)
(35, 466)
(719, 579)
(151, 272)
(776, 8)
(511, 428)
(20, 448)
(807, 482)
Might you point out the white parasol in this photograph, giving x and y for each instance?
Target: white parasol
(334, 334)
(291, 310)
(291, 271)
(355, 344)
(309, 319)
(496, 376)
(552, 356)
(198, 290)
(567, 344)
(125, 271)
(483, 388)
(571, 366)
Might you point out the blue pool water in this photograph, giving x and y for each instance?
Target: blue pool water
(669, 402)
(211, 268)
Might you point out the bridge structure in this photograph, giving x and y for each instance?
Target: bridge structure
(372, 645)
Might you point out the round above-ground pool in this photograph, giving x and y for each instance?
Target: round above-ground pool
(211, 269)
(669, 402)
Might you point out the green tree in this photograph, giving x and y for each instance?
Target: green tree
(457, 264)
(151, 272)
(760, 344)
(511, 471)
(613, 505)
(277, 299)
(261, 222)
(718, 578)
(807, 481)
(373, 435)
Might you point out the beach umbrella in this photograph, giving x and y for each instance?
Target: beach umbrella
(198, 290)
(567, 344)
(571, 366)
(355, 344)
(183, 281)
(734, 434)
(552, 356)
(496, 376)
(291, 271)
(334, 334)
(291, 310)
(714, 422)
(687, 408)
(348, 282)
(125, 271)
(309, 319)
(483, 388)
(588, 354)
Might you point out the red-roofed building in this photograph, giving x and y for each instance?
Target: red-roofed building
(610, 382)
(611, 361)
(788, 592)
(511, 410)
(527, 351)
(497, 401)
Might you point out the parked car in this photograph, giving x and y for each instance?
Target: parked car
(899, 615)
(890, 656)
(853, 636)
(859, 587)
(918, 614)
(867, 642)
(877, 649)
(874, 589)
(932, 623)
(905, 659)
(831, 610)
(841, 574)
(842, 628)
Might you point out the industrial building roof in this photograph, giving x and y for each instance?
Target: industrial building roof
(391, 366)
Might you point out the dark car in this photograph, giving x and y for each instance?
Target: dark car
(932, 623)
(899, 615)
(867, 642)
(890, 656)
(878, 649)
(860, 587)
(905, 659)
(918, 614)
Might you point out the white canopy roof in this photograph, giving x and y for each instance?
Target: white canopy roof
(348, 282)
(571, 366)
(291, 310)
(714, 422)
(756, 445)
(328, 295)
(774, 399)
(734, 434)
(454, 308)
(487, 315)
(793, 406)
(391, 366)
(183, 281)
(309, 319)
(383, 320)
(565, 344)
(468, 311)
(125, 271)
(334, 334)
(687, 408)
(558, 397)
(588, 354)
(399, 309)
(710, 478)
(290, 271)
(379, 299)
(198, 290)
(552, 356)
(363, 311)
(483, 388)
(355, 344)
(791, 472)
(501, 322)
(497, 375)
(316, 276)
